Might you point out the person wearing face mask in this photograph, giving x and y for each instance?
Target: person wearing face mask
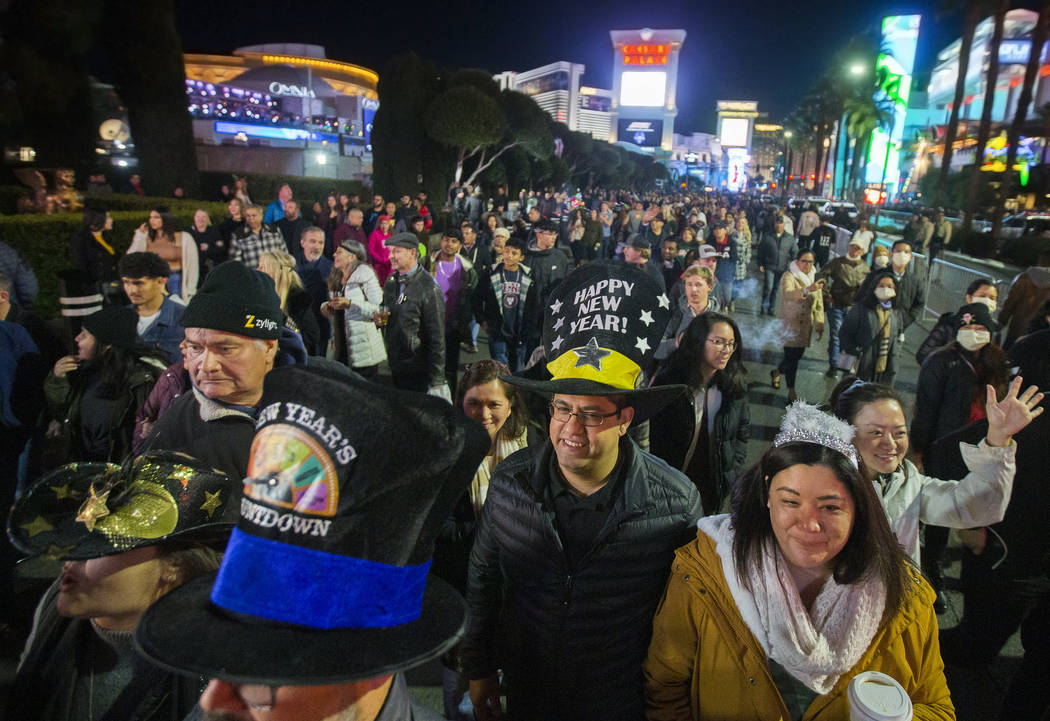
(953, 378)
(880, 257)
(983, 291)
(951, 394)
(911, 293)
(871, 329)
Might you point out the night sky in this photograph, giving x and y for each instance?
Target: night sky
(761, 50)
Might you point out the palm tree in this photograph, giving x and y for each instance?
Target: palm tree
(990, 81)
(864, 115)
(973, 15)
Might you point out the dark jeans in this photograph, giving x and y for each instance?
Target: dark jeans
(789, 364)
(835, 317)
(511, 352)
(770, 288)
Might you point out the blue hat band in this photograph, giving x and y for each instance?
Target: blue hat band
(291, 584)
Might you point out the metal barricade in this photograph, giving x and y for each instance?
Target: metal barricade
(946, 285)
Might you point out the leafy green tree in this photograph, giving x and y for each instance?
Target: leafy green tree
(145, 55)
(398, 136)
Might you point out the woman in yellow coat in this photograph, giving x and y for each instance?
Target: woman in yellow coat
(775, 607)
(801, 312)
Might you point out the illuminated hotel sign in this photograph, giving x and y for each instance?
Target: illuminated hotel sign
(223, 127)
(295, 91)
(646, 54)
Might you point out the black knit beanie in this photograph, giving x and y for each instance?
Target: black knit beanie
(113, 325)
(236, 299)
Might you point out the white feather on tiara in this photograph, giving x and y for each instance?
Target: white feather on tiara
(805, 423)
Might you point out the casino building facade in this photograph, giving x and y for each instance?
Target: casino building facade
(282, 108)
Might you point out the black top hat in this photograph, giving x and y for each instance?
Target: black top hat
(601, 328)
(325, 577)
(90, 510)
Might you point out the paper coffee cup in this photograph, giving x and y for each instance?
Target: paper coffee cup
(874, 696)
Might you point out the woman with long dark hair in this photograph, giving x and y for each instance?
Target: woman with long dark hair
(871, 327)
(91, 248)
(705, 435)
(776, 607)
(93, 395)
(177, 248)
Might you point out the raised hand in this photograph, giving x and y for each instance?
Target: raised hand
(1012, 413)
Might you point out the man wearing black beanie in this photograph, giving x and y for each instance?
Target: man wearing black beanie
(232, 328)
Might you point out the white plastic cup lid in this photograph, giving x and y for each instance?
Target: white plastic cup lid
(875, 696)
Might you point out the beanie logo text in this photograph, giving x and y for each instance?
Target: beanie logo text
(252, 321)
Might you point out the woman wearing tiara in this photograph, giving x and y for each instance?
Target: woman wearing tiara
(775, 607)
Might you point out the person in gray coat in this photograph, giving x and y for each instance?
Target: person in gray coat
(775, 253)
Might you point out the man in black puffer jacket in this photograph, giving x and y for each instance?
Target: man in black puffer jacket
(571, 633)
(577, 535)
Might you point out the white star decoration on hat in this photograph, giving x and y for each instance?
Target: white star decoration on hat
(558, 324)
(663, 301)
(642, 344)
(556, 306)
(556, 343)
(647, 317)
(590, 354)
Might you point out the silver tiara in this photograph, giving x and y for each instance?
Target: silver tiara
(805, 423)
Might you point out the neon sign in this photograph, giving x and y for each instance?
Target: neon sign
(656, 54)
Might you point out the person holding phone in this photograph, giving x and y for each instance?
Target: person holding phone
(801, 312)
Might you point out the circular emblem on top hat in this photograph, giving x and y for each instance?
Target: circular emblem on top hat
(291, 469)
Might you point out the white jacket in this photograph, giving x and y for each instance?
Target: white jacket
(979, 499)
(364, 342)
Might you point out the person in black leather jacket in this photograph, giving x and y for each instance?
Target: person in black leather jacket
(415, 331)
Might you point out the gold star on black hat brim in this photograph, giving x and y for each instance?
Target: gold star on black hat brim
(88, 510)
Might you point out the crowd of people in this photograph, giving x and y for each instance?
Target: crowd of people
(599, 546)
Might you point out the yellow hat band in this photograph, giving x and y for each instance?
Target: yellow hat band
(601, 365)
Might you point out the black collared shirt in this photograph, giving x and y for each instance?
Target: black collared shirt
(580, 518)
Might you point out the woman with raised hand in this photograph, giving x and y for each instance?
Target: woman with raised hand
(776, 607)
(980, 498)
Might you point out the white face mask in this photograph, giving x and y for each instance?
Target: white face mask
(881, 261)
(973, 340)
(901, 259)
(884, 294)
(987, 302)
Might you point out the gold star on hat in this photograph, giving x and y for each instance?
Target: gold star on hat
(37, 525)
(211, 502)
(63, 491)
(93, 509)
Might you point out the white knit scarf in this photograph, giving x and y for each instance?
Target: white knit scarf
(806, 279)
(816, 646)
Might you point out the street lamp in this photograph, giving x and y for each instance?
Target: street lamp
(856, 69)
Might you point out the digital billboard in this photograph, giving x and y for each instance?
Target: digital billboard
(733, 132)
(643, 133)
(641, 89)
(894, 66)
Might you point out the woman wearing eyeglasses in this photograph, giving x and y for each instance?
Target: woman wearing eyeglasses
(801, 311)
(705, 434)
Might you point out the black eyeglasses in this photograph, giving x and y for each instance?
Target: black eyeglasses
(256, 696)
(562, 413)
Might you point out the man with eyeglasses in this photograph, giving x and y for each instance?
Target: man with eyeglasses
(323, 598)
(575, 538)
